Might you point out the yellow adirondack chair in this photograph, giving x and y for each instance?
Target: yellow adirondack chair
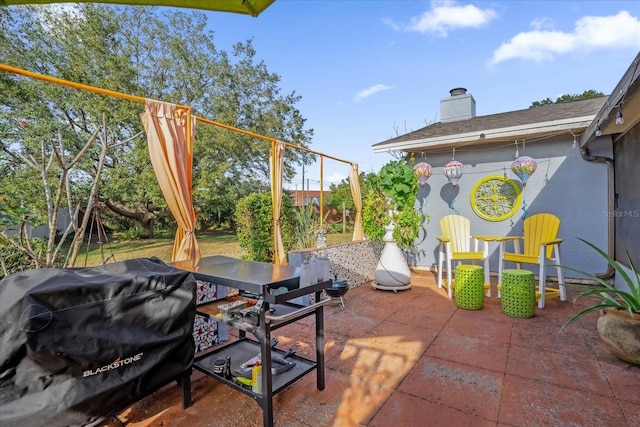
(457, 244)
(541, 243)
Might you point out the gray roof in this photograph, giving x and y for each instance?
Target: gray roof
(479, 124)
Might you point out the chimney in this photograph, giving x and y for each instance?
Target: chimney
(459, 106)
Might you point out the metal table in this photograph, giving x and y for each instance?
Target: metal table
(276, 285)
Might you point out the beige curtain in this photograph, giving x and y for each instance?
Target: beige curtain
(170, 139)
(276, 162)
(354, 182)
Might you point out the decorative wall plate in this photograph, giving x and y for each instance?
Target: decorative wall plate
(495, 198)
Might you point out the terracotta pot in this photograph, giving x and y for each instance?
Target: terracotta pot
(621, 333)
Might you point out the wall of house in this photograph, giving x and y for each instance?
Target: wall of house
(564, 184)
(627, 207)
(42, 231)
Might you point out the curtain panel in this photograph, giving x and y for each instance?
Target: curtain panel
(170, 136)
(276, 162)
(354, 183)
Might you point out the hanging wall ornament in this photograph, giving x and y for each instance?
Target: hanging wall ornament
(524, 167)
(453, 171)
(423, 172)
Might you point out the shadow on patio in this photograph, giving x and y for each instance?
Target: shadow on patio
(413, 358)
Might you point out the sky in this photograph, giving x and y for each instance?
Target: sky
(368, 71)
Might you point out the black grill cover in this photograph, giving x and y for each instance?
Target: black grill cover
(78, 345)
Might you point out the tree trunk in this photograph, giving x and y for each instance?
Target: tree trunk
(143, 216)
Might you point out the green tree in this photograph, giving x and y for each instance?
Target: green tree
(587, 94)
(53, 167)
(341, 192)
(139, 51)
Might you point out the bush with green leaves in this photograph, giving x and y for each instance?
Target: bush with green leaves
(254, 225)
(134, 233)
(375, 210)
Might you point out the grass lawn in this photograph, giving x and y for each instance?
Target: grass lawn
(211, 243)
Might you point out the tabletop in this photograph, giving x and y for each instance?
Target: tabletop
(252, 276)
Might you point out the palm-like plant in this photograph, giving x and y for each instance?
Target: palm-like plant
(609, 296)
(307, 227)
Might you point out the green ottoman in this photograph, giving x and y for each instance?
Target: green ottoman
(469, 287)
(518, 293)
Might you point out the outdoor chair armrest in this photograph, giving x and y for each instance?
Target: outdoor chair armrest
(443, 239)
(552, 242)
(486, 238)
(506, 238)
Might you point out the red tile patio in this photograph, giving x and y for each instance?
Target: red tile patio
(413, 358)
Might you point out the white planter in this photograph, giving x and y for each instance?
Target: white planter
(392, 272)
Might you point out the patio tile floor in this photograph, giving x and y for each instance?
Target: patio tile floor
(412, 358)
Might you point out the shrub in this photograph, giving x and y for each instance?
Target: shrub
(254, 225)
(134, 233)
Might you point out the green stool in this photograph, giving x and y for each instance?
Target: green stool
(518, 293)
(469, 287)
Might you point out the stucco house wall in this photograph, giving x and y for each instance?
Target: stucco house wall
(564, 184)
(42, 231)
(623, 137)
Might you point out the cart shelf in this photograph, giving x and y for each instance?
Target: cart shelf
(244, 349)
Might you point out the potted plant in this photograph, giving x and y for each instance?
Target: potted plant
(390, 216)
(619, 321)
(309, 231)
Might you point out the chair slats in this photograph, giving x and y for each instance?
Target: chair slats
(458, 229)
(537, 229)
(457, 244)
(540, 230)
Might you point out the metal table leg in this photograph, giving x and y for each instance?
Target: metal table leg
(320, 344)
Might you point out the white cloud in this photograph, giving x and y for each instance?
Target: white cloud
(590, 33)
(446, 16)
(370, 91)
(542, 23)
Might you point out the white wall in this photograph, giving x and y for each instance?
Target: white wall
(564, 184)
(42, 231)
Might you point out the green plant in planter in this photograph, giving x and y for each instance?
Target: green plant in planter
(609, 296)
(308, 226)
(619, 322)
(391, 197)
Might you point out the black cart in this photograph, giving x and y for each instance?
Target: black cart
(274, 286)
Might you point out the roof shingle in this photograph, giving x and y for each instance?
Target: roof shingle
(530, 116)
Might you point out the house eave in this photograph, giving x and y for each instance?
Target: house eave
(511, 133)
(624, 95)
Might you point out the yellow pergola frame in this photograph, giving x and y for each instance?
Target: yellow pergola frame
(279, 258)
